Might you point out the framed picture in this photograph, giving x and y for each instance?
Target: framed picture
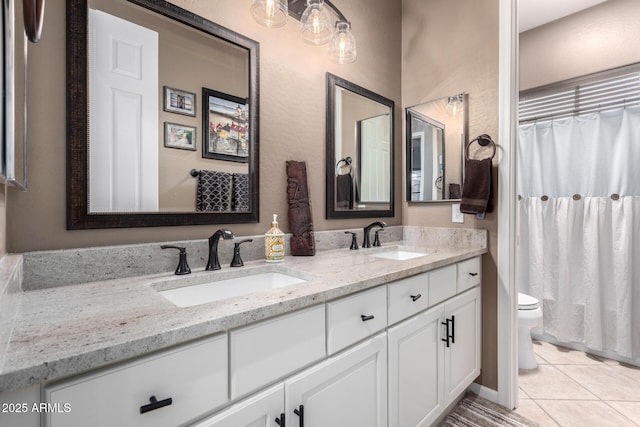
(225, 124)
(179, 101)
(179, 136)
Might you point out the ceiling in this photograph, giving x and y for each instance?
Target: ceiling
(534, 13)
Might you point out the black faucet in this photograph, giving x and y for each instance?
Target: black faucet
(183, 267)
(214, 263)
(366, 243)
(237, 260)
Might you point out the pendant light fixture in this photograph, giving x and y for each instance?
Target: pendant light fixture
(342, 49)
(316, 27)
(270, 13)
(317, 18)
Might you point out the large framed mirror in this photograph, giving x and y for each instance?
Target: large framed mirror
(359, 165)
(162, 117)
(436, 133)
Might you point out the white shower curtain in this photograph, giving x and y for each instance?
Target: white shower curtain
(580, 256)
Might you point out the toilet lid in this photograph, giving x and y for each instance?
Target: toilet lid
(527, 302)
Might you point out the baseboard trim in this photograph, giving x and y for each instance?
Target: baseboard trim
(484, 392)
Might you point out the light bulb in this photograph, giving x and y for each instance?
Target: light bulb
(270, 13)
(342, 49)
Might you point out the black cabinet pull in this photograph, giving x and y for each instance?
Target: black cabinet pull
(155, 404)
(415, 298)
(473, 274)
(300, 412)
(280, 420)
(453, 329)
(365, 318)
(446, 339)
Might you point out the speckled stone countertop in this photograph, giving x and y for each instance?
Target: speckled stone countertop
(66, 330)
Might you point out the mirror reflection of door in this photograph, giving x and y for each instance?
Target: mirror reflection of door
(427, 159)
(123, 148)
(373, 154)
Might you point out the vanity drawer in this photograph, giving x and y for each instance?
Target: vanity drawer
(442, 284)
(269, 350)
(193, 376)
(352, 318)
(408, 297)
(469, 274)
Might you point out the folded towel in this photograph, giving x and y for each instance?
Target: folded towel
(344, 191)
(213, 191)
(476, 189)
(240, 192)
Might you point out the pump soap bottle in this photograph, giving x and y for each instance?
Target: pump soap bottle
(274, 242)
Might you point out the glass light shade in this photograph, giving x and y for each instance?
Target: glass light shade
(270, 13)
(342, 49)
(316, 23)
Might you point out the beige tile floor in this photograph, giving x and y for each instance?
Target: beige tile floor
(570, 388)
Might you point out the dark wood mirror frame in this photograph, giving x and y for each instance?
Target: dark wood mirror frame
(78, 216)
(331, 211)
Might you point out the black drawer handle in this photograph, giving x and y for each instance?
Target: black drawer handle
(446, 334)
(300, 412)
(415, 298)
(155, 404)
(280, 420)
(365, 318)
(473, 274)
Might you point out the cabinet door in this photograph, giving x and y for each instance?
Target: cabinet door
(347, 390)
(463, 354)
(416, 370)
(260, 410)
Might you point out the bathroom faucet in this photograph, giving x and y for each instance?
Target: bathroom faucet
(366, 243)
(214, 263)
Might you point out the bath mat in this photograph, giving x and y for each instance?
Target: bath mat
(474, 411)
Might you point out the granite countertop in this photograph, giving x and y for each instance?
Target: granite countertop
(66, 330)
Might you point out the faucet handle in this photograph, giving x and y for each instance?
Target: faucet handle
(183, 267)
(376, 238)
(237, 260)
(354, 242)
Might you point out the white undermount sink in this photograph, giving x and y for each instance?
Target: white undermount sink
(398, 254)
(216, 286)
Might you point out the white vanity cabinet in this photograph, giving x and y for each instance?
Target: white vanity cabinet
(166, 389)
(434, 355)
(463, 355)
(416, 369)
(346, 390)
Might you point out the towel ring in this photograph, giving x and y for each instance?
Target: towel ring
(483, 140)
(347, 162)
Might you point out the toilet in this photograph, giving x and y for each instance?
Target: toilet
(529, 316)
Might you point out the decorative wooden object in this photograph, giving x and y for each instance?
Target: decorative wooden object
(300, 223)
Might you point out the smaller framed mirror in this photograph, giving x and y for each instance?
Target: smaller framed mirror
(359, 166)
(435, 140)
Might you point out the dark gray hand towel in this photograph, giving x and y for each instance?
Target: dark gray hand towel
(213, 192)
(344, 191)
(476, 189)
(240, 193)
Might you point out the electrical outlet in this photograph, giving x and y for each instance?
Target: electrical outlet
(456, 215)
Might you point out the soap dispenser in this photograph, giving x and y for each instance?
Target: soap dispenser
(274, 242)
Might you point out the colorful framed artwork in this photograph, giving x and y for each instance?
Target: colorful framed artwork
(225, 124)
(179, 136)
(179, 101)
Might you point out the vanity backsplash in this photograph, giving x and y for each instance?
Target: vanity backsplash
(47, 269)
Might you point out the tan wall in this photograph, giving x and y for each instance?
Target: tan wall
(448, 47)
(292, 121)
(596, 39)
